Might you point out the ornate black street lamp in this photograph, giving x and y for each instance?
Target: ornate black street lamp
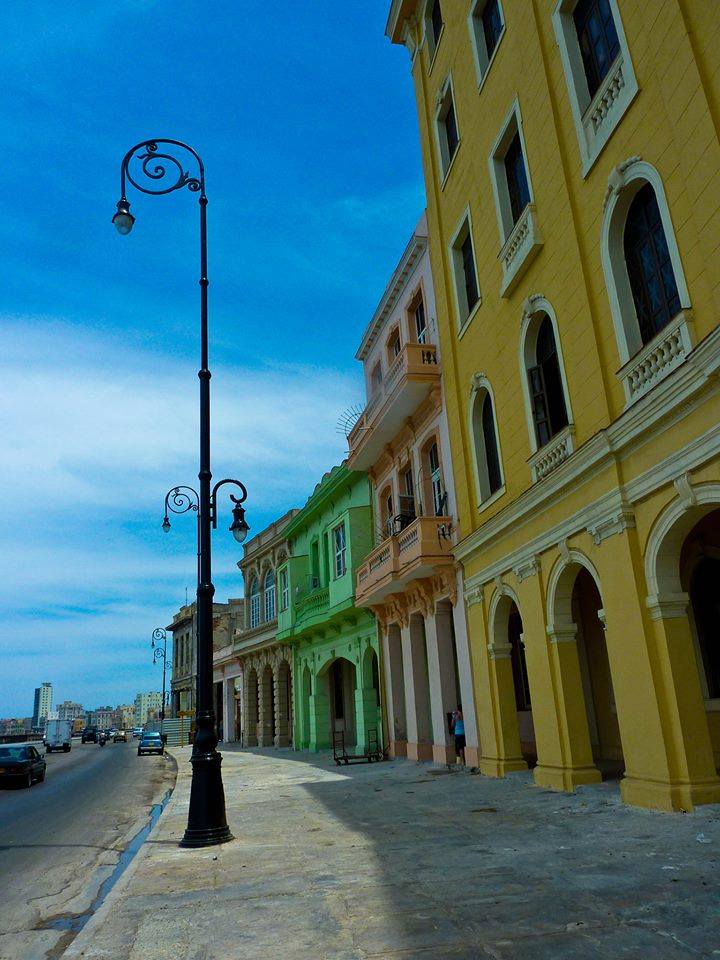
(161, 173)
(159, 635)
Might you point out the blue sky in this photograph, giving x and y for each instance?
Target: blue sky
(305, 118)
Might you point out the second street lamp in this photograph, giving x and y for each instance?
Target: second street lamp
(157, 171)
(160, 635)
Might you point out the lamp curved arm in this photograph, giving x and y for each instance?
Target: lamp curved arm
(181, 500)
(213, 496)
(159, 635)
(158, 167)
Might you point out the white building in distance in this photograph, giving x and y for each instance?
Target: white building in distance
(144, 703)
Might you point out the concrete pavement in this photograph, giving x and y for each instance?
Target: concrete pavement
(405, 860)
(61, 838)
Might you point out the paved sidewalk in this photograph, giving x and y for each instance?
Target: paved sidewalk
(403, 860)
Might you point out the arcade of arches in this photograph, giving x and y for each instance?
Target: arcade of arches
(265, 700)
(427, 670)
(338, 691)
(582, 678)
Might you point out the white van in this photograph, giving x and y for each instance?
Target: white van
(58, 735)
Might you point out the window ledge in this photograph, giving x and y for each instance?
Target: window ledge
(469, 319)
(450, 166)
(520, 249)
(606, 110)
(553, 453)
(483, 73)
(658, 358)
(484, 504)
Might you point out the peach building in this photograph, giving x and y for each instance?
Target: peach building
(410, 579)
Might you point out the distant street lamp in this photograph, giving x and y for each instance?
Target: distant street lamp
(207, 821)
(159, 635)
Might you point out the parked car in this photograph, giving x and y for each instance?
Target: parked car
(137, 733)
(120, 737)
(151, 742)
(20, 763)
(90, 735)
(58, 734)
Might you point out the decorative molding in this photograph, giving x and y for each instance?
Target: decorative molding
(564, 550)
(602, 618)
(615, 522)
(531, 305)
(529, 567)
(520, 249)
(562, 632)
(668, 606)
(616, 179)
(685, 490)
(474, 596)
(499, 651)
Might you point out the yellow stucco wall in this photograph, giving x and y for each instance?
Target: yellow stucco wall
(634, 455)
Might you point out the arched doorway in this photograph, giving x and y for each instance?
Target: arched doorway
(700, 579)
(341, 682)
(395, 686)
(521, 684)
(419, 746)
(284, 705)
(603, 726)
(306, 692)
(252, 709)
(268, 707)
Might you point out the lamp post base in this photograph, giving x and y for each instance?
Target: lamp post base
(207, 822)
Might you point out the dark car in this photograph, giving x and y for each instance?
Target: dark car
(21, 764)
(151, 742)
(90, 735)
(119, 736)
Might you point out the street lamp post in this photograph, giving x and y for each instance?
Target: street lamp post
(162, 172)
(159, 635)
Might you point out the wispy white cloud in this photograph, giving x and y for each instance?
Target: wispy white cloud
(95, 432)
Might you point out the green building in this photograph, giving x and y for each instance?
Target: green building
(336, 682)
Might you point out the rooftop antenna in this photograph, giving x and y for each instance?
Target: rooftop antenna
(348, 418)
(185, 596)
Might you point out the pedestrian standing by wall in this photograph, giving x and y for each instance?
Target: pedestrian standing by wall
(459, 731)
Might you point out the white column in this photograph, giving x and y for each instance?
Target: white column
(462, 646)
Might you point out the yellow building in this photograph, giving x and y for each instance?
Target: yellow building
(572, 168)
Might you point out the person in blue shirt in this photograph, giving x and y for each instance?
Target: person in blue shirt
(459, 731)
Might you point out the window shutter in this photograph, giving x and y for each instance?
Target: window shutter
(538, 399)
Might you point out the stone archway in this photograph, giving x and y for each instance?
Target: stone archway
(682, 564)
(283, 704)
(252, 708)
(395, 691)
(507, 648)
(267, 707)
(338, 678)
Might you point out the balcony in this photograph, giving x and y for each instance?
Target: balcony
(312, 604)
(413, 374)
(415, 552)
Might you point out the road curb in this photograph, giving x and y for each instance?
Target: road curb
(84, 939)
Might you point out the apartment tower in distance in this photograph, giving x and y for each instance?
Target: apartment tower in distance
(572, 167)
(42, 705)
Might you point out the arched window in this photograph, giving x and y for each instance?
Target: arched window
(650, 269)
(547, 398)
(487, 454)
(436, 487)
(255, 604)
(269, 595)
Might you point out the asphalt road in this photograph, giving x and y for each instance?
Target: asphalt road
(60, 839)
